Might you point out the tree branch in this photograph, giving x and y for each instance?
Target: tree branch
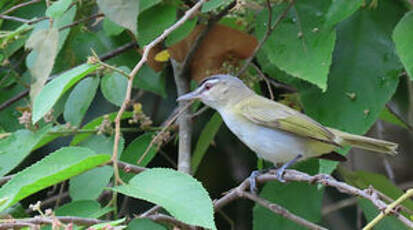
(13, 8)
(12, 223)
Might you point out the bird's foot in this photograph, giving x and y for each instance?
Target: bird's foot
(253, 180)
(279, 175)
(281, 170)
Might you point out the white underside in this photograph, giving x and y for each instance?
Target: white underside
(270, 144)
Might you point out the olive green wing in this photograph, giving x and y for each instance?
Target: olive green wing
(271, 114)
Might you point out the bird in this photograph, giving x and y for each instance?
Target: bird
(274, 131)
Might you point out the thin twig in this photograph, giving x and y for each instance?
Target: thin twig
(49, 220)
(167, 125)
(270, 29)
(81, 20)
(389, 209)
(267, 82)
(135, 70)
(13, 18)
(323, 179)
(13, 8)
(169, 219)
(277, 209)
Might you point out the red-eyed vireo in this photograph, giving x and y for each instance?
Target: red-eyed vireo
(272, 130)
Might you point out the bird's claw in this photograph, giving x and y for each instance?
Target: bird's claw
(253, 181)
(280, 174)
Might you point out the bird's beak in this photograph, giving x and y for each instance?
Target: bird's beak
(189, 96)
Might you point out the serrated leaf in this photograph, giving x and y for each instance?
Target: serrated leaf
(341, 9)
(179, 193)
(204, 141)
(81, 208)
(15, 148)
(150, 80)
(123, 12)
(79, 100)
(113, 86)
(135, 150)
(94, 124)
(56, 88)
(57, 9)
(58, 166)
(403, 37)
(44, 43)
(154, 21)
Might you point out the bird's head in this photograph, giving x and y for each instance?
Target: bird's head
(218, 91)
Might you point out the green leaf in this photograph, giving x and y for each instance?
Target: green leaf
(65, 19)
(114, 86)
(353, 103)
(146, 4)
(403, 37)
(304, 200)
(386, 115)
(154, 21)
(58, 166)
(101, 176)
(44, 43)
(205, 139)
(80, 99)
(150, 80)
(179, 193)
(111, 28)
(138, 224)
(182, 32)
(15, 148)
(307, 56)
(94, 124)
(387, 223)
(214, 4)
(57, 9)
(135, 150)
(363, 180)
(81, 208)
(340, 10)
(122, 12)
(56, 88)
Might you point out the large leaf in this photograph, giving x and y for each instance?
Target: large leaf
(403, 37)
(134, 152)
(114, 86)
(101, 176)
(44, 43)
(123, 12)
(301, 199)
(307, 56)
(56, 88)
(364, 75)
(58, 166)
(79, 100)
(154, 21)
(18, 146)
(205, 139)
(214, 4)
(179, 193)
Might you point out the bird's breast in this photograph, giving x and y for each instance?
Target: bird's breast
(273, 145)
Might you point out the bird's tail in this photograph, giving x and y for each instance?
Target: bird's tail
(366, 143)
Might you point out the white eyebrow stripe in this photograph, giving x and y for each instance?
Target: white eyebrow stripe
(212, 81)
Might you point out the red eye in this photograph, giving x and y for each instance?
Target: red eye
(208, 86)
